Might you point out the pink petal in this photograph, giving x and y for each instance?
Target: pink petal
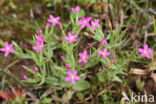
(6, 54)
(81, 54)
(82, 26)
(140, 50)
(89, 18)
(80, 60)
(67, 78)
(145, 47)
(12, 50)
(87, 56)
(51, 16)
(70, 41)
(75, 36)
(57, 18)
(69, 73)
(75, 72)
(85, 52)
(143, 54)
(11, 45)
(73, 9)
(3, 49)
(150, 51)
(148, 56)
(69, 34)
(79, 21)
(77, 78)
(66, 38)
(105, 50)
(73, 82)
(100, 52)
(108, 53)
(35, 47)
(6, 44)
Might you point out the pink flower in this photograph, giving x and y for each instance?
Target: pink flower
(129, 27)
(25, 46)
(81, 65)
(68, 66)
(40, 38)
(112, 59)
(60, 25)
(47, 25)
(24, 67)
(76, 9)
(106, 66)
(39, 32)
(25, 77)
(8, 49)
(72, 77)
(89, 44)
(84, 22)
(53, 20)
(146, 51)
(91, 35)
(39, 46)
(84, 57)
(35, 69)
(102, 42)
(95, 24)
(71, 38)
(62, 58)
(104, 53)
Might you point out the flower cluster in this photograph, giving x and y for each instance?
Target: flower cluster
(40, 42)
(85, 22)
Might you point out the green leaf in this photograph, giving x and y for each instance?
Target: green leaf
(101, 77)
(81, 85)
(116, 78)
(80, 14)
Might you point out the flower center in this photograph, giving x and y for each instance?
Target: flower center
(71, 38)
(103, 54)
(85, 21)
(94, 24)
(145, 52)
(84, 57)
(8, 48)
(40, 47)
(72, 77)
(54, 20)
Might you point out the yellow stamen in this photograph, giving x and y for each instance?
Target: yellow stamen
(94, 24)
(54, 20)
(8, 48)
(40, 47)
(84, 57)
(103, 54)
(72, 77)
(145, 52)
(85, 22)
(71, 38)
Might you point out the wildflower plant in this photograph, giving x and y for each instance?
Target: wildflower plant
(65, 64)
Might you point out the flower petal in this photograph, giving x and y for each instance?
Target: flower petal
(75, 72)
(3, 49)
(67, 78)
(6, 54)
(69, 73)
(73, 81)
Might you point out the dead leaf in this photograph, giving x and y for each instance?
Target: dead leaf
(138, 71)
